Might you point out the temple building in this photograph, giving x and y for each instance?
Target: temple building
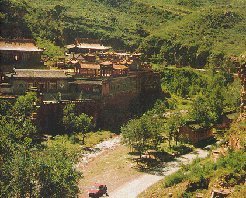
(84, 46)
(46, 81)
(105, 85)
(19, 53)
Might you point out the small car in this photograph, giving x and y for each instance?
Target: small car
(97, 190)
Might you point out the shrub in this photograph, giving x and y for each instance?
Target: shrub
(234, 162)
(175, 178)
(39, 173)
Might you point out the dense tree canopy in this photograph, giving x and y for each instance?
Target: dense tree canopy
(27, 168)
(210, 95)
(76, 123)
(177, 32)
(142, 134)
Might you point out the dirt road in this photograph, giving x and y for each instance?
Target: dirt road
(118, 185)
(109, 163)
(132, 189)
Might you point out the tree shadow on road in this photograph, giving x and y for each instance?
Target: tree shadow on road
(151, 162)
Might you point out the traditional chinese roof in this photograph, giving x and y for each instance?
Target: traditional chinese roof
(87, 82)
(37, 73)
(75, 56)
(106, 63)
(123, 54)
(89, 46)
(89, 66)
(123, 62)
(27, 46)
(120, 67)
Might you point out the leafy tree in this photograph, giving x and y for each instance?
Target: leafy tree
(156, 130)
(215, 100)
(82, 124)
(39, 173)
(232, 96)
(74, 123)
(5, 106)
(174, 122)
(135, 136)
(143, 133)
(15, 123)
(201, 113)
(9, 134)
(184, 82)
(28, 169)
(159, 108)
(69, 117)
(51, 49)
(24, 107)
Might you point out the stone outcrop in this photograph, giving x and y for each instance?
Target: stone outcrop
(221, 193)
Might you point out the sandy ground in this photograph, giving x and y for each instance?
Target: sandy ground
(99, 149)
(135, 184)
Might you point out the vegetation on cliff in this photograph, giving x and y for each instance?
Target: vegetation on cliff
(29, 169)
(177, 32)
(206, 96)
(226, 171)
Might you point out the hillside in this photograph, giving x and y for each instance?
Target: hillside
(220, 175)
(177, 32)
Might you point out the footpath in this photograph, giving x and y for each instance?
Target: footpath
(132, 189)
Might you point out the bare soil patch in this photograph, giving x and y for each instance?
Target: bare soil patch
(113, 167)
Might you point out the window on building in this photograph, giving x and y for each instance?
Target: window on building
(52, 85)
(96, 89)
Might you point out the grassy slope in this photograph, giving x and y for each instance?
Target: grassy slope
(227, 172)
(216, 27)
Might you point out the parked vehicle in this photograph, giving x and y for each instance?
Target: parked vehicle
(97, 190)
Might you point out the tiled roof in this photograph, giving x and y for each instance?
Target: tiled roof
(89, 66)
(106, 63)
(38, 73)
(120, 67)
(87, 82)
(122, 54)
(76, 56)
(18, 46)
(89, 46)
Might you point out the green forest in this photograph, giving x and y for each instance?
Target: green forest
(28, 168)
(177, 32)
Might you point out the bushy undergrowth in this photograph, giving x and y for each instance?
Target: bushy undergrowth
(30, 168)
(95, 138)
(228, 171)
(233, 163)
(74, 142)
(175, 178)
